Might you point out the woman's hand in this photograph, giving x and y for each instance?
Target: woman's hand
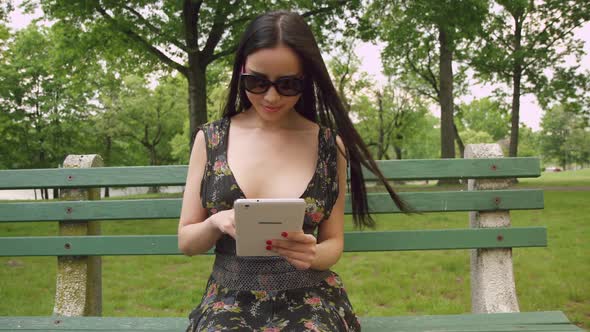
(298, 248)
(225, 222)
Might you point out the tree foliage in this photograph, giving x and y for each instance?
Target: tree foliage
(183, 36)
(565, 137)
(423, 38)
(523, 40)
(43, 98)
(484, 115)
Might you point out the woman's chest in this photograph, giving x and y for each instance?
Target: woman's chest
(265, 168)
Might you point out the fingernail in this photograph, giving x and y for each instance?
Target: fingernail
(284, 234)
(269, 242)
(268, 247)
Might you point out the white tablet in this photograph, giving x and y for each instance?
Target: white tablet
(259, 220)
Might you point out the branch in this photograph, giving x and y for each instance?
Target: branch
(240, 20)
(221, 54)
(546, 48)
(421, 74)
(158, 136)
(137, 38)
(215, 34)
(346, 72)
(325, 9)
(213, 57)
(426, 94)
(130, 135)
(153, 28)
(433, 81)
(190, 18)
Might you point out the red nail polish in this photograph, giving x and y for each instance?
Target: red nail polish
(284, 234)
(269, 242)
(268, 247)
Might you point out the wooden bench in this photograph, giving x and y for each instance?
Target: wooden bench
(78, 300)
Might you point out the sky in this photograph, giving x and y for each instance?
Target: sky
(369, 55)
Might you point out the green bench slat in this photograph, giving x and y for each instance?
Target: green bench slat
(425, 169)
(354, 242)
(93, 177)
(431, 169)
(523, 321)
(446, 239)
(447, 201)
(490, 200)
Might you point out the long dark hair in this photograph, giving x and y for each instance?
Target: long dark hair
(319, 101)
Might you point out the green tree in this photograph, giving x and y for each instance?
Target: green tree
(183, 36)
(345, 70)
(143, 120)
(424, 141)
(423, 38)
(484, 115)
(564, 137)
(44, 101)
(569, 87)
(5, 8)
(180, 143)
(476, 137)
(578, 145)
(389, 121)
(523, 40)
(528, 142)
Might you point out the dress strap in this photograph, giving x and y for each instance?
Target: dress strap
(215, 139)
(215, 142)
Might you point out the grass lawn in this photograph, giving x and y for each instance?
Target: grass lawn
(578, 178)
(395, 283)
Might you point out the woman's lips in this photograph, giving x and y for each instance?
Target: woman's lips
(271, 109)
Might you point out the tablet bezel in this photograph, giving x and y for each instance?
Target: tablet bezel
(262, 219)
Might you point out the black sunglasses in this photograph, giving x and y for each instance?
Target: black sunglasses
(286, 86)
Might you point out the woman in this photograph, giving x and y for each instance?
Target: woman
(277, 139)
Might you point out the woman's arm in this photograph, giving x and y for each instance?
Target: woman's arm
(331, 231)
(196, 232)
(304, 251)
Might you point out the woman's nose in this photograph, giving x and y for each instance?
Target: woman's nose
(271, 96)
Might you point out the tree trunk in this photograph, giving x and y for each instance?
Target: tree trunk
(459, 141)
(153, 162)
(381, 139)
(398, 152)
(516, 78)
(447, 134)
(197, 95)
(107, 159)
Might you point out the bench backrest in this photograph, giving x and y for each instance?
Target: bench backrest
(145, 209)
(81, 206)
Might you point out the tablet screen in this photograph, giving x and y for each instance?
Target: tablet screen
(259, 220)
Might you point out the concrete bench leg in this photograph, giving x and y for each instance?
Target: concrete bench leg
(78, 290)
(492, 278)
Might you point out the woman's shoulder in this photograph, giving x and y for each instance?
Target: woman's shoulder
(214, 124)
(332, 139)
(213, 131)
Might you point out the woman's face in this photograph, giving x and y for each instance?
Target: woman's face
(272, 64)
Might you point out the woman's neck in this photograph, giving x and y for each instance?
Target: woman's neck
(291, 121)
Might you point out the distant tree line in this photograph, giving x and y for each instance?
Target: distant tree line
(132, 80)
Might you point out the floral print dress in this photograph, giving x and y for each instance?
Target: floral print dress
(322, 307)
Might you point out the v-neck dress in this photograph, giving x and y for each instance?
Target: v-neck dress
(249, 302)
